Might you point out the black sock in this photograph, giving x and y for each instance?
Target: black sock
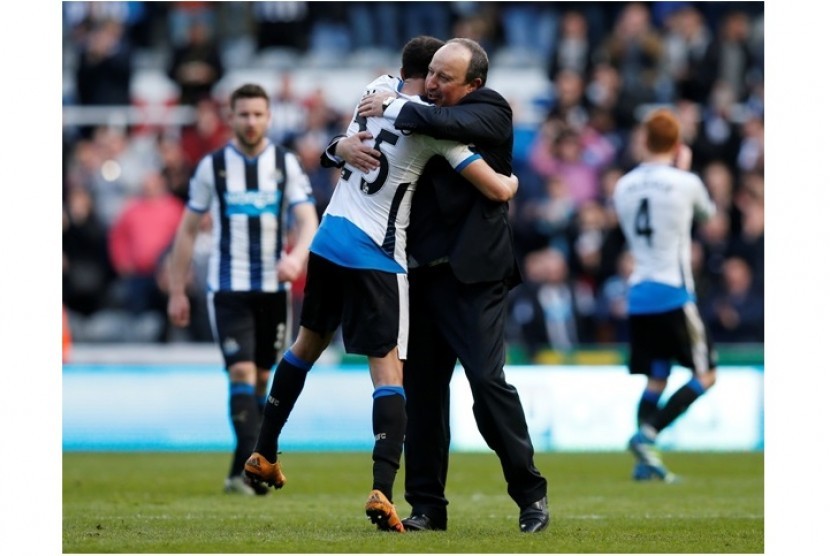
(677, 404)
(289, 380)
(388, 426)
(647, 407)
(245, 417)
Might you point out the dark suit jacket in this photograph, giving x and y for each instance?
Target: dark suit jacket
(450, 218)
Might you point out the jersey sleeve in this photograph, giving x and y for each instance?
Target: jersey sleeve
(297, 185)
(201, 188)
(457, 154)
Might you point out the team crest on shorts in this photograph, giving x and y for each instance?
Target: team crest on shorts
(230, 346)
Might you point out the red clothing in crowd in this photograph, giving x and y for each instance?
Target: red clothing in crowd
(142, 232)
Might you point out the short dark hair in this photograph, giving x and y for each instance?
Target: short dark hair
(479, 64)
(248, 90)
(417, 54)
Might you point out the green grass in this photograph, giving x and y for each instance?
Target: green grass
(173, 503)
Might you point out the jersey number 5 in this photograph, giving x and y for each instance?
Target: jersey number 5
(642, 222)
(385, 136)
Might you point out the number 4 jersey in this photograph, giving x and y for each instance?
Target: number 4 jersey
(364, 225)
(656, 205)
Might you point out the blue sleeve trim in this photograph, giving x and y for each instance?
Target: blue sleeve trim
(467, 161)
(196, 209)
(382, 391)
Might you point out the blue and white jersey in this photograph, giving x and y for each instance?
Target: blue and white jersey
(656, 205)
(248, 199)
(364, 225)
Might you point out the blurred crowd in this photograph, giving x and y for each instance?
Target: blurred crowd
(124, 186)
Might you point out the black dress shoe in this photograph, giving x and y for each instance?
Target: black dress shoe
(422, 522)
(535, 518)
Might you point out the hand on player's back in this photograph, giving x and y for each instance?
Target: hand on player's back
(356, 153)
(372, 104)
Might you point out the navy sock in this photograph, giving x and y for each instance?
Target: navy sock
(647, 406)
(677, 404)
(388, 426)
(245, 417)
(288, 383)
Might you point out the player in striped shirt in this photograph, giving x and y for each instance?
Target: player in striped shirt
(249, 187)
(357, 278)
(656, 203)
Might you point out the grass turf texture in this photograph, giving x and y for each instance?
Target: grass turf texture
(173, 503)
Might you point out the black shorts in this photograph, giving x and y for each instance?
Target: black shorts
(250, 326)
(372, 306)
(677, 336)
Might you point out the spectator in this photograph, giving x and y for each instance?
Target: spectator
(542, 312)
(206, 134)
(595, 249)
(731, 55)
(330, 38)
(691, 70)
(137, 240)
(375, 25)
(750, 156)
(196, 65)
(104, 67)
(281, 25)
(573, 49)
(547, 221)
(634, 49)
(289, 112)
(715, 239)
(736, 311)
(478, 26)
(108, 166)
(569, 102)
(174, 166)
(87, 274)
(719, 137)
(529, 28)
(183, 16)
(426, 18)
(612, 302)
(749, 242)
(559, 150)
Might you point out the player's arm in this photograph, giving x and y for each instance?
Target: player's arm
(704, 207)
(496, 187)
(298, 193)
(291, 265)
(475, 122)
(178, 305)
(683, 158)
(350, 149)
(491, 184)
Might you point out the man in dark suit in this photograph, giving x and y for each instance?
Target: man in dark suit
(462, 266)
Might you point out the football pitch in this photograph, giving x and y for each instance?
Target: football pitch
(173, 503)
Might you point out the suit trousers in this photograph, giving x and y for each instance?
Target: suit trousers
(450, 321)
